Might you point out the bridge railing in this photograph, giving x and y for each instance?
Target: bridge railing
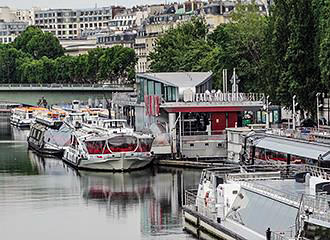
(55, 85)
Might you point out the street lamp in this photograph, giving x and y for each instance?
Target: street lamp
(294, 104)
(318, 110)
(267, 111)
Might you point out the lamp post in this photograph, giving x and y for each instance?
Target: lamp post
(318, 110)
(294, 104)
(267, 111)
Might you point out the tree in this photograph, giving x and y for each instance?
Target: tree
(45, 45)
(299, 75)
(24, 38)
(238, 44)
(324, 42)
(38, 43)
(180, 48)
(10, 60)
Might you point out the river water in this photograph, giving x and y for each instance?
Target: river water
(43, 198)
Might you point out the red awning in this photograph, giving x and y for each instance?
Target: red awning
(203, 109)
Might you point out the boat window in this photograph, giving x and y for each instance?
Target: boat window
(325, 164)
(32, 132)
(114, 124)
(122, 144)
(235, 192)
(35, 133)
(145, 144)
(95, 147)
(38, 135)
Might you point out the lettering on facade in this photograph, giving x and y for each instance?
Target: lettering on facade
(225, 97)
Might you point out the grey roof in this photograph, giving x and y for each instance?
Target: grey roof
(179, 79)
(262, 212)
(294, 147)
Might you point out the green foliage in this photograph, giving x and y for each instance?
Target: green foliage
(238, 44)
(24, 38)
(45, 44)
(37, 57)
(324, 38)
(39, 44)
(10, 61)
(283, 54)
(180, 48)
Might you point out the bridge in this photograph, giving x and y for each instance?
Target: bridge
(58, 93)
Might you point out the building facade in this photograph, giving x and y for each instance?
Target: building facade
(10, 30)
(71, 24)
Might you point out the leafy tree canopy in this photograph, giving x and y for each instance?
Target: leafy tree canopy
(38, 43)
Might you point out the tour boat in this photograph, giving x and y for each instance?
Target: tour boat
(114, 126)
(254, 203)
(50, 133)
(24, 116)
(261, 148)
(100, 150)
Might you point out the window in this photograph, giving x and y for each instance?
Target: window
(173, 94)
(158, 89)
(151, 88)
(95, 147)
(123, 144)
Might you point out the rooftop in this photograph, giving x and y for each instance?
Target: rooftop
(311, 150)
(179, 79)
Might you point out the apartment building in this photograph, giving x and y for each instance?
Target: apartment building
(26, 15)
(219, 12)
(125, 39)
(10, 30)
(152, 28)
(123, 21)
(7, 14)
(71, 24)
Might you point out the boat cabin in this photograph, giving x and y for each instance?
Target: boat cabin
(269, 148)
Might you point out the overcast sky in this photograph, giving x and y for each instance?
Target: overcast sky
(23, 4)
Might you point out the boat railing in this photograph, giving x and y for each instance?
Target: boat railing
(197, 204)
(316, 207)
(318, 171)
(190, 197)
(308, 134)
(285, 170)
(249, 176)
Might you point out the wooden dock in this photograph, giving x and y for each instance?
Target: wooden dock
(189, 164)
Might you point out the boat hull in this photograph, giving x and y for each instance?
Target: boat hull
(123, 163)
(45, 150)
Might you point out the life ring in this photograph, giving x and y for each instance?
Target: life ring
(206, 198)
(311, 137)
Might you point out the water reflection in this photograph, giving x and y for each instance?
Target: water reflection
(44, 195)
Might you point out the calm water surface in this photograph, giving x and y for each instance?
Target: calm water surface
(43, 198)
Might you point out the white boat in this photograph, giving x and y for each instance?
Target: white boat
(260, 205)
(114, 126)
(24, 116)
(100, 150)
(50, 134)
